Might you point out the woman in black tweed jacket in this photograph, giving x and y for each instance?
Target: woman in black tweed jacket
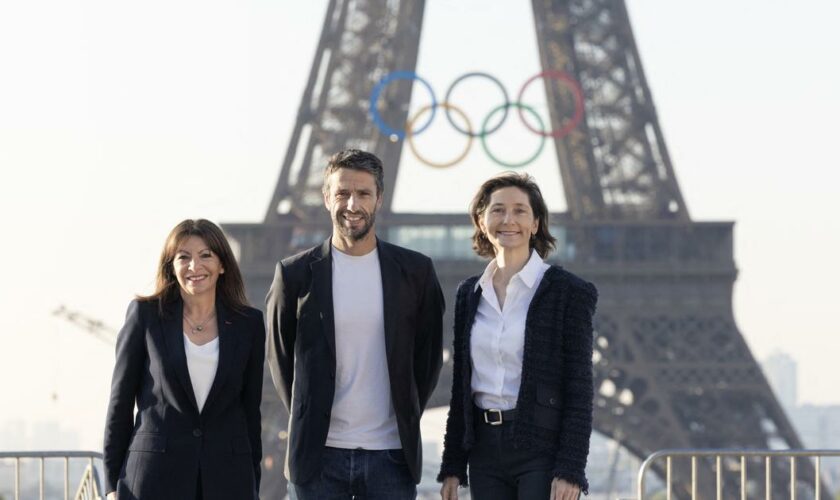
(521, 407)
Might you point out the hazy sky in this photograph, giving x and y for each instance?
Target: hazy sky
(119, 119)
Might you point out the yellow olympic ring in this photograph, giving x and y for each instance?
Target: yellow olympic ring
(445, 105)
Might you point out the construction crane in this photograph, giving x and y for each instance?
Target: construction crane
(93, 326)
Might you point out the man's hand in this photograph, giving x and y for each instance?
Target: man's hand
(112, 495)
(449, 490)
(564, 490)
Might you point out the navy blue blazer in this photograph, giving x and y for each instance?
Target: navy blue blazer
(302, 355)
(158, 454)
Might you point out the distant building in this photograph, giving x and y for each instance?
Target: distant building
(20, 435)
(781, 371)
(17, 435)
(818, 426)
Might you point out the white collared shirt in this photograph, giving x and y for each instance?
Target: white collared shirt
(498, 335)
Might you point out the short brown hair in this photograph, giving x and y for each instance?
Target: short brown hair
(356, 159)
(230, 287)
(542, 241)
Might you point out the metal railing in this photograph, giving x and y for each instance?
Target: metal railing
(741, 455)
(89, 486)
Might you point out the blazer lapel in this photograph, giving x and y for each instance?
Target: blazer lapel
(173, 334)
(390, 271)
(228, 342)
(322, 293)
(473, 298)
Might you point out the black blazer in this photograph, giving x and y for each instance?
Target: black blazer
(554, 406)
(158, 454)
(301, 336)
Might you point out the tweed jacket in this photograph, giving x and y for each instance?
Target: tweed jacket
(554, 406)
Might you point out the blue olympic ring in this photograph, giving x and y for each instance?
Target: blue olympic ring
(374, 98)
(559, 77)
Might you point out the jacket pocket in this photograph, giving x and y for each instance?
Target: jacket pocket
(148, 442)
(547, 411)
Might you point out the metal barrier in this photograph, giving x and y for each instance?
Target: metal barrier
(89, 486)
(742, 455)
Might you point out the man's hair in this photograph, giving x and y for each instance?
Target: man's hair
(542, 242)
(356, 159)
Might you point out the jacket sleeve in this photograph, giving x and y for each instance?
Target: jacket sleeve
(125, 384)
(428, 355)
(576, 421)
(252, 393)
(281, 317)
(455, 458)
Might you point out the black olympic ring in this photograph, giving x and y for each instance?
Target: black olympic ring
(470, 75)
(409, 132)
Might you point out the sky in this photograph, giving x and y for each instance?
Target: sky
(117, 120)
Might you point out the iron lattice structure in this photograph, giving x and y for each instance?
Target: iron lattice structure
(672, 369)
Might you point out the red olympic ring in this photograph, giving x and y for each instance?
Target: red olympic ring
(577, 93)
(561, 77)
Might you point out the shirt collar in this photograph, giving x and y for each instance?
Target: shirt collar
(528, 274)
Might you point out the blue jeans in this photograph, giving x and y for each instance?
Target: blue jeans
(358, 475)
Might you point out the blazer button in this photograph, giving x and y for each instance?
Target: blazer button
(197, 433)
(552, 401)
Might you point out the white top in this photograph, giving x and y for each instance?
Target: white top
(498, 335)
(202, 361)
(362, 412)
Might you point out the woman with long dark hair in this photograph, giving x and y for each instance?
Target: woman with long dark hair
(521, 409)
(190, 358)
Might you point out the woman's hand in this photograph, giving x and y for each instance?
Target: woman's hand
(563, 490)
(449, 490)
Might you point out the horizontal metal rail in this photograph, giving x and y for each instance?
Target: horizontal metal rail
(740, 454)
(42, 457)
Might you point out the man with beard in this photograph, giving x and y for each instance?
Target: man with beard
(355, 332)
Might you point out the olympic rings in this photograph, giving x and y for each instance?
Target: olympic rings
(396, 134)
(520, 106)
(447, 107)
(470, 75)
(577, 93)
(377, 90)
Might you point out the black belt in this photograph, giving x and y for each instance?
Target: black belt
(495, 416)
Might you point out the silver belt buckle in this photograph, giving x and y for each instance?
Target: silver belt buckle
(494, 422)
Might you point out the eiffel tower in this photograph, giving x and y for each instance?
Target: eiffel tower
(672, 370)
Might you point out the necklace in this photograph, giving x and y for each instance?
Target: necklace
(199, 327)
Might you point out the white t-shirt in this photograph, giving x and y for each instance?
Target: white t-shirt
(202, 361)
(362, 412)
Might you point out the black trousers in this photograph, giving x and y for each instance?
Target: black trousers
(498, 471)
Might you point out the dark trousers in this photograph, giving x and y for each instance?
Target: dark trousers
(498, 471)
(359, 475)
